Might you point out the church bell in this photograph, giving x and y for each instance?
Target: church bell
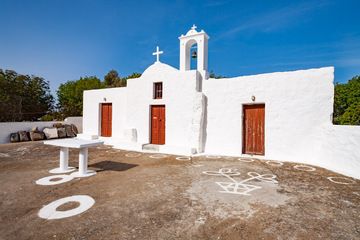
(194, 54)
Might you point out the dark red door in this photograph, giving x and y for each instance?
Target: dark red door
(158, 124)
(106, 119)
(254, 129)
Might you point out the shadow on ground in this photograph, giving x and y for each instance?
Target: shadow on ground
(112, 166)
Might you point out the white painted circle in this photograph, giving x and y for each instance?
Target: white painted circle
(213, 156)
(347, 180)
(59, 170)
(47, 180)
(274, 163)
(49, 211)
(197, 165)
(113, 151)
(183, 158)
(21, 149)
(158, 156)
(4, 155)
(245, 159)
(88, 173)
(304, 168)
(133, 155)
(200, 220)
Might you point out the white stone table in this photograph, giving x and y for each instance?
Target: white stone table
(83, 145)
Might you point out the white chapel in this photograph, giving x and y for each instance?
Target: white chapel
(284, 116)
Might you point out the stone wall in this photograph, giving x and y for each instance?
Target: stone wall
(9, 127)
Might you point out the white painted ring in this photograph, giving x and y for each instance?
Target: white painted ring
(88, 173)
(4, 155)
(59, 170)
(49, 211)
(274, 163)
(158, 156)
(200, 220)
(133, 155)
(113, 151)
(304, 168)
(197, 165)
(47, 180)
(21, 149)
(245, 159)
(350, 181)
(212, 156)
(183, 158)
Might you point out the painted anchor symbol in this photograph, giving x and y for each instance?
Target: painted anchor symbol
(242, 187)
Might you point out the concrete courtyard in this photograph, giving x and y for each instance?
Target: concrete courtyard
(156, 196)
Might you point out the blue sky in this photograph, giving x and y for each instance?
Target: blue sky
(63, 40)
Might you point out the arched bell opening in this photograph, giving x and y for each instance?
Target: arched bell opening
(192, 59)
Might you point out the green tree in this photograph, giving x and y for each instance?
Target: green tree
(347, 102)
(213, 75)
(23, 97)
(133, 75)
(70, 95)
(112, 79)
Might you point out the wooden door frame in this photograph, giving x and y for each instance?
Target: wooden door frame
(100, 118)
(243, 126)
(150, 121)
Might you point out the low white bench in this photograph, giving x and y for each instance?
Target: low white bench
(83, 145)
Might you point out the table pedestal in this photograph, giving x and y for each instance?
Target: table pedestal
(83, 163)
(64, 162)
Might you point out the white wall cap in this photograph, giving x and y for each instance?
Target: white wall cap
(158, 67)
(196, 34)
(192, 32)
(299, 73)
(106, 90)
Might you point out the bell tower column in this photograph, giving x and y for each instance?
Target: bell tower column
(186, 42)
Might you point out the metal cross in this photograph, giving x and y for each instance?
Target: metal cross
(157, 53)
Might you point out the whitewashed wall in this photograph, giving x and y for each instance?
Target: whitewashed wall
(340, 150)
(298, 125)
(131, 109)
(179, 90)
(77, 121)
(297, 105)
(91, 111)
(298, 109)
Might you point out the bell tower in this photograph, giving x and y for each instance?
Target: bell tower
(191, 38)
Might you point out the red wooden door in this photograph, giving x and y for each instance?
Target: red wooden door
(158, 124)
(106, 119)
(254, 129)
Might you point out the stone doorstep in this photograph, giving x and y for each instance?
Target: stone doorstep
(150, 147)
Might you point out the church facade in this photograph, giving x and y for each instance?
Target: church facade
(282, 116)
